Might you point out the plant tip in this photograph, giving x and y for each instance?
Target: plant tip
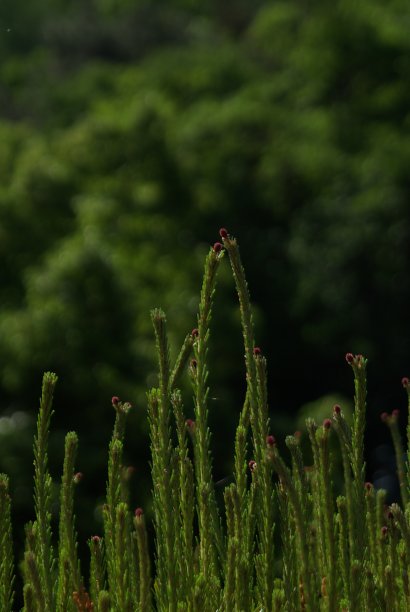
(194, 364)
(218, 247)
(384, 417)
(195, 332)
(115, 400)
(96, 539)
(368, 486)
(327, 423)
(252, 465)
(384, 531)
(77, 477)
(349, 357)
(190, 425)
(405, 382)
(139, 512)
(395, 413)
(337, 409)
(270, 440)
(223, 232)
(257, 351)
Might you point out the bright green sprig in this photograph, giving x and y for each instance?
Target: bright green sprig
(186, 496)
(44, 561)
(69, 576)
(145, 598)
(211, 546)
(181, 361)
(97, 569)
(6, 548)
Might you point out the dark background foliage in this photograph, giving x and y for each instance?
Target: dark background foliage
(130, 132)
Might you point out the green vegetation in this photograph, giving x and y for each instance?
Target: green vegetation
(281, 541)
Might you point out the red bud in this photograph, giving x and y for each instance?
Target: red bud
(223, 233)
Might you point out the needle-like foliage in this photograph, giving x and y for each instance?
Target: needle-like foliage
(329, 553)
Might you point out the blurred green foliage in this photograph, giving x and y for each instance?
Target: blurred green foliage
(131, 131)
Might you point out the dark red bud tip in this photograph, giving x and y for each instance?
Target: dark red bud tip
(395, 413)
(223, 233)
(194, 364)
(384, 417)
(257, 351)
(77, 477)
(405, 382)
(368, 486)
(190, 425)
(139, 512)
(195, 333)
(252, 465)
(96, 539)
(218, 247)
(337, 409)
(327, 423)
(384, 531)
(270, 440)
(349, 357)
(115, 400)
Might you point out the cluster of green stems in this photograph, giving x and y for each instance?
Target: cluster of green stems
(281, 541)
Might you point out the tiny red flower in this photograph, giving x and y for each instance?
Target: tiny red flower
(257, 351)
(77, 477)
(252, 465)
(190, 425)
(194, 363)
(327, 423)
(223, 233)
(114, 400)
(96, 539)
(139, 512)
(270, 440)
(337, 409)
(368, 486)
(195, 333)
(349, 357)
(405, 382)
(218, 247)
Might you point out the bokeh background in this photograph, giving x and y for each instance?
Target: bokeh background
(130, 131)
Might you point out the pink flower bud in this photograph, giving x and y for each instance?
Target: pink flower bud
(115, 400)
(77, 478)
(96, 539)
(252, 465)
(349, 357)
(368, 486)
(257, 351)
(405, 382)
(190, 425)
(139, 512)
(327, 423)
(337, 409)
(223, 233)
(270, 440)
(195, 333)
(218, 247)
